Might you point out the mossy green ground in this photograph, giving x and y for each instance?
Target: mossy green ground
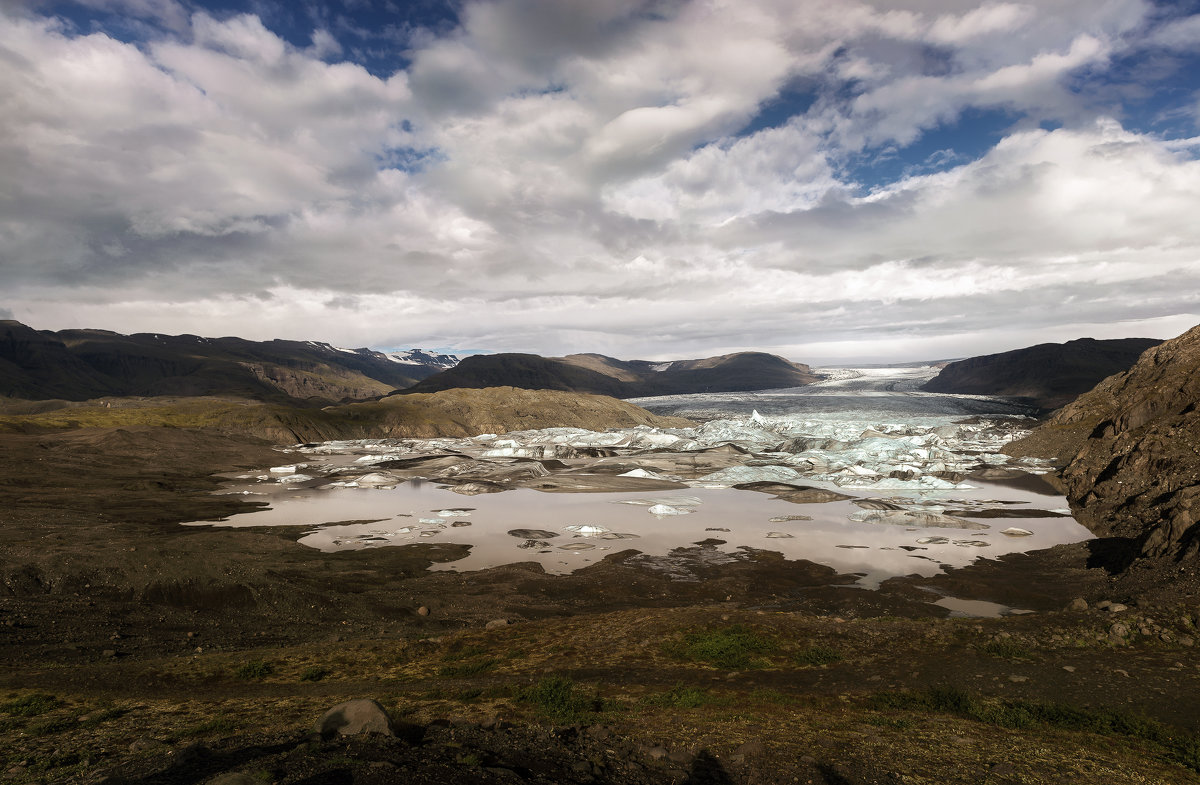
(695, 678)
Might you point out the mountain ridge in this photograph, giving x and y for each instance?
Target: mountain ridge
(82, 364)
(1047, 375)
(602, 375)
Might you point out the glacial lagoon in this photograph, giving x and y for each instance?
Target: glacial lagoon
(861, 472)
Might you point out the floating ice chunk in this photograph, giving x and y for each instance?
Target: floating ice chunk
(737, 475)
(913, 518)
(779, 536)
(431, 521)
(661, 510)
(1013, 531)
(619, 536)
(455, 512)
(288, 469)
(933, 541)
(672, 501)
(369, 459)
(585, 529)
(786, 518)
(293, 478)
(576, 546)
(377, 479)
(642, 473)
(972, 543)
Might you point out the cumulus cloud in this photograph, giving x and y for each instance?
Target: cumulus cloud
(561, 176)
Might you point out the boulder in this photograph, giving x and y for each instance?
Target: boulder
(354, 717)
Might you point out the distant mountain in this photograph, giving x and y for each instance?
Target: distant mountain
(601, 375)
(1047, 376)
(78, 365)
(422, 358)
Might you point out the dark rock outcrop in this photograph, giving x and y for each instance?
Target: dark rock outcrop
(78, 365)
(354, 717)
(1132, 447)
(1047, 376)
(600, 375)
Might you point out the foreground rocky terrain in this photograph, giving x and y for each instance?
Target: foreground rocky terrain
(135, 650)
(1045, 376)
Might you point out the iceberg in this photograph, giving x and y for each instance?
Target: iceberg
(585, 529)
(662, 510)
(738, 475)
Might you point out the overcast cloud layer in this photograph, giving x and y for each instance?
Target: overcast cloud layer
(905, 180)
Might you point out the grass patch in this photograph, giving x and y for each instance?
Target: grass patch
(733, 648)
(1178, 745)
(212, 727)
(459, 651)
(467, 669)
(681, 697)
(561, 700)
(767, 695)
(1007, 649)
(255, 670)
(50, 725)
(818, 655)
(314, 673)
(30, 705)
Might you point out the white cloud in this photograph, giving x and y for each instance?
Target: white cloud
(570, 176)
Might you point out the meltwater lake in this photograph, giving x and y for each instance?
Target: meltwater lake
(860, 472)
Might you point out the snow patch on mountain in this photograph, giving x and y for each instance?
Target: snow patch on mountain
(423, 357)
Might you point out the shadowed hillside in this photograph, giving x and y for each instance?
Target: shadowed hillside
(1048, 375)
(79, 365)
(595, 373)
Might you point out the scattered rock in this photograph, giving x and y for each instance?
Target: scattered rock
(354, 717)
(1078, 604)
(1117, 607)
(1069, 668)
(1018, 679)
(752, 747)
(495, 624)
(422, 611)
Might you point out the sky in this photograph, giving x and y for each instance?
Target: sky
(868, 180)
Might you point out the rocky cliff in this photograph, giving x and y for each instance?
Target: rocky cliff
(1046, 376)
(1132, 447)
